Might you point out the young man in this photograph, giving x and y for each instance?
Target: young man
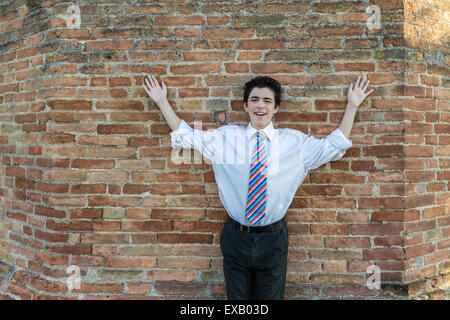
(257, 191)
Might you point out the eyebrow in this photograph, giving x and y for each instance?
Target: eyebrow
(258, 97)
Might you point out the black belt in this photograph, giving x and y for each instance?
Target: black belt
(257, 229)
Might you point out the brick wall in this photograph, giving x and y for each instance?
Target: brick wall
(86, 172)
(427, 148)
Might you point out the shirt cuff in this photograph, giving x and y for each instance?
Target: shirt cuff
(338, 139)
(178, 134)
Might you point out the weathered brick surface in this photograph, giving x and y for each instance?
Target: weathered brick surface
(86, 177)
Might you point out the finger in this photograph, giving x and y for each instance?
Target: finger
(351, 87)
(362, 81)
(146, 90)
(147, 82)
(370, 91)
(357, 82)
(151, 81)
(155, 82)
(365, 86)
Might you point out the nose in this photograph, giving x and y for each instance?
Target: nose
(260, 106)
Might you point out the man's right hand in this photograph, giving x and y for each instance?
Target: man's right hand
(154, 91)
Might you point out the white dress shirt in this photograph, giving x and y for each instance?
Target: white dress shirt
(291, 154)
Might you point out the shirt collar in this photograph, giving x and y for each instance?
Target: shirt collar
(269, 130)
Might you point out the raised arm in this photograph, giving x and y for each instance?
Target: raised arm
(159, 97)
(356, 95)
(207, 142)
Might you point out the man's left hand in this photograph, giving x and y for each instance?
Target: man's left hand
(357, 92)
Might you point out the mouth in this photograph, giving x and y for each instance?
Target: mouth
(260, 114)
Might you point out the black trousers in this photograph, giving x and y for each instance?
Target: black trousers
(254, 264)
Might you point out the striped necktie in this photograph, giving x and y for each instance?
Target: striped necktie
(257, 187)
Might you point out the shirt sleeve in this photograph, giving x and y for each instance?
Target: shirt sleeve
(204, 141)
(315, 152)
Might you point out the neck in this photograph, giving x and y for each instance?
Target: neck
(259, 128)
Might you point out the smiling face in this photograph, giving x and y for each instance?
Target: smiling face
(261, 107)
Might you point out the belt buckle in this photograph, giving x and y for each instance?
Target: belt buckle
(244, 228)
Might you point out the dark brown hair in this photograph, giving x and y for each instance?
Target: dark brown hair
(263, 82)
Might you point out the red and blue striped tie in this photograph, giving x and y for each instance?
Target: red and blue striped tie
(257, 187)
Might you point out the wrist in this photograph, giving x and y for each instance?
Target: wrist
(163, 104)
(352, 106)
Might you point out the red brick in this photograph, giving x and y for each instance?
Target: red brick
(383, 254)
(420, 250)
(110, 45)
